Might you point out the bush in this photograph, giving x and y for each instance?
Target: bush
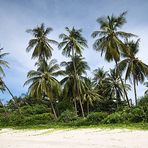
(137, 115)
(68, 116)
(96, 117)
(36, 109)
(114, 118)
(44, 118)
(143, 101)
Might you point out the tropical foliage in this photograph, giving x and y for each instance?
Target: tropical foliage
(64, 92)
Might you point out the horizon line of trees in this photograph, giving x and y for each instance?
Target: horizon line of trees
(81, 92)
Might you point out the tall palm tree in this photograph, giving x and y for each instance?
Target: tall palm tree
(109, 39)
(72, 45)
(74, 85)
(135, 68)
(43, 82)
(40, 43)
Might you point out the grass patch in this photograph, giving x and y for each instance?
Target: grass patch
(62, 126)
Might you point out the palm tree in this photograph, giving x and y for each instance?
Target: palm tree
(113, 86)
(72, 45)
(43, 82)
(110, 39)
(135, 68)
(74, 85)
(4, 63)
(90, 95)
(40, 43)
(99, 76)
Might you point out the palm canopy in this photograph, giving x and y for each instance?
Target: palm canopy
(113, 85)
(132, 65)
(80, 66)
(99, 76)
(43, 82)
(74, 85)
(73, 42)
(40, 43)
(109, 38)
(3, 63)
(90, 95)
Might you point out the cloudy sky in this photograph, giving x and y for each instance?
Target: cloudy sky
(16, 16)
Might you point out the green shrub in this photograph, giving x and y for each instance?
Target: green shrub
(96, 117)
(114, 118)
(36, 109)
(68, 116)
(143, 101)
(136, 115)
(38, 119)
(4, 120)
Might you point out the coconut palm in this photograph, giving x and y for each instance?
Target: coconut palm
(40, 43)
(72, 43)
(43, 82)
(135, 68)
(90, 95)
(113, 86)
(74, 86)
(99, 76)
(109, 39)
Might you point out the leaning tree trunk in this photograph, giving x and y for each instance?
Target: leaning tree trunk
(13, 98)
(53, 109)
(122, 84)
(135, 92)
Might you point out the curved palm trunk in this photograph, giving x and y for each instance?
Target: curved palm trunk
(53, 109)
(12, 97)
(135, 92)
(126, 96)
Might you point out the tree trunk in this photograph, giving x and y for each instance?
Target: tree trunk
(87, 107)
(135, 92)
(75, 105)
(75, 73)
(82, 110)
(53, 109)
(122, 84)
(13, 98)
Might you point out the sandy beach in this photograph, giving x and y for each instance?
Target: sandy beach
(78, 138)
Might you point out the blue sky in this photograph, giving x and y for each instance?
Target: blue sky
(16, 16)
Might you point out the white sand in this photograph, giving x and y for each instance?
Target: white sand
(79, 138)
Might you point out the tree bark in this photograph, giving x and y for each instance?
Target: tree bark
(135, 92)
(53, 109)
(122, 84)
(82, 110)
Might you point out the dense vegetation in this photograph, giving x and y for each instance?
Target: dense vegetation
(76, 99)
